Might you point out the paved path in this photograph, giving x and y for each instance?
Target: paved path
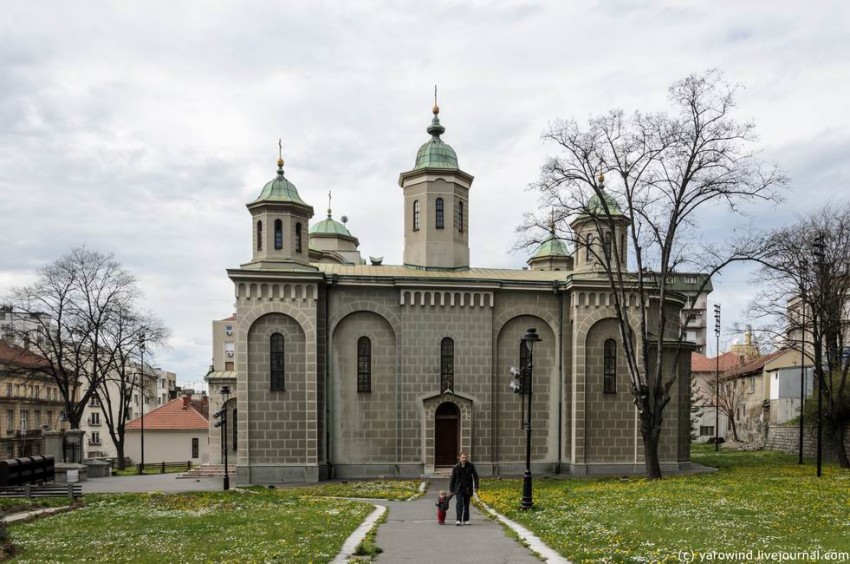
(411, 534)
(151, 483)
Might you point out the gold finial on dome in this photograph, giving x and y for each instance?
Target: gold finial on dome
(279, 153)
(601, 178)
(436, 108)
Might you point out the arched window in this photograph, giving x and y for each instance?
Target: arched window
(460, 216)
(298, 237)
(416, 215)
(364, 364)
(440, 218)
(259, 235)
(589, 247)
(277, 363)
(447, 364)
(609, 367)
(278, 234)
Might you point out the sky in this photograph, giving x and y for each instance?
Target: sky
(143, 128)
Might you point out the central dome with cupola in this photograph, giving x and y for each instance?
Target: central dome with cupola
(435, 153)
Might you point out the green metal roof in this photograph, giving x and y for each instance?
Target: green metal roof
(552, 247)
(435, 153)
(330, 226)
(279, 190)
(595, 207)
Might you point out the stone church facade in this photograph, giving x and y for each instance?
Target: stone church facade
(345, 369)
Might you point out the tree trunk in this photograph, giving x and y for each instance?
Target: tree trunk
(734, 430)
(119, 449)
(841, 450)
(650, 454)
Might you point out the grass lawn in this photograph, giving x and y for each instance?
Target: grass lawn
(756, 501)
(375, 489)
(283, 525)
(9, 505)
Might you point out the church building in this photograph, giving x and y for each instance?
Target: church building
(342, 369)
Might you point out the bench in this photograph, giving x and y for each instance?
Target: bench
(30, 491)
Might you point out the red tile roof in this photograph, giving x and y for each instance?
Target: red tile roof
(701, 363)
(755, 365)
(19, 356)
(175, 416)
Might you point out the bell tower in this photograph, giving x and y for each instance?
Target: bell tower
(601, 233)
(280, 226)
(436, 206)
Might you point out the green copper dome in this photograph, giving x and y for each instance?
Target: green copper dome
(595, 207)
(330, 227)
(280, 190)
(435, 153)
(552, 247)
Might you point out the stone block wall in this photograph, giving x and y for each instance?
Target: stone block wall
(786, 438)
(278, 420)
(427, 317)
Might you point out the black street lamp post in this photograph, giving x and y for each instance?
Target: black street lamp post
(521, 384)
(142, 398)
(222, 423)
(717, 378)
(818, 340)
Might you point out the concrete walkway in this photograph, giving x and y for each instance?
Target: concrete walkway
(411, 534)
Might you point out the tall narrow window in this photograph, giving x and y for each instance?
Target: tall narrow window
(623, 247)
(196, 447)
(416, 215)
(589, 247)
(460, 216)
(447, 365)
(364, 364)
(439, 209)
(297, 237)
(609, 367)
(259, 235)
(278, 234)
(608, 249)
(277, 367)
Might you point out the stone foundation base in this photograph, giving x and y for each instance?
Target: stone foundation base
(269, 474)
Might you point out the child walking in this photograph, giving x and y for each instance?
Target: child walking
(442, 507)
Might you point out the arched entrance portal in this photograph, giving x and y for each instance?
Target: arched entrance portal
(446, 434)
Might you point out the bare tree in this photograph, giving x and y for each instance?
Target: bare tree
(811, 297)
(729, 399)
(73, 302)
(664, 169)
(126, 377)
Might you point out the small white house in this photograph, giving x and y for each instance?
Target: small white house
(176, 432)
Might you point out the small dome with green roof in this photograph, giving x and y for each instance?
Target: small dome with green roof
(552, 247)
(594, 205)
(280, 189)
(435, 153)
(329, 226)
